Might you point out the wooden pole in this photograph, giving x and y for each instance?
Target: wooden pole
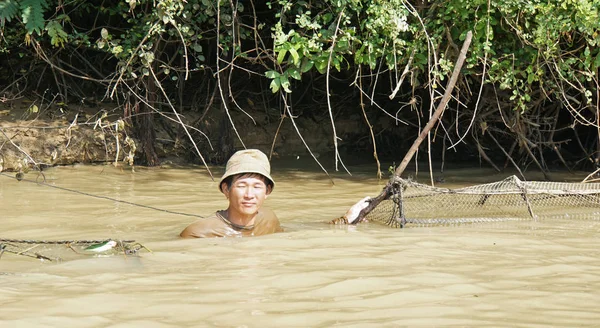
(432, 121)
(440, 108)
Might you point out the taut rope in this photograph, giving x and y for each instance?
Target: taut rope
(58, 242)
(43, 183)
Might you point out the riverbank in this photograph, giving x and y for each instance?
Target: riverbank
(36, 135)
(33, 137)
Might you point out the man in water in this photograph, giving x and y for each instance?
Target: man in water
(246, 183)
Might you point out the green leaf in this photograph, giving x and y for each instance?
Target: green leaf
(58, 36)
(597, 62)
(117, 50)
(197, 47)
(420, 59)
(307, 64)
(294, 73)
(32, 13)
(336, 63)
(342, 46)
(321, 65)
(281, 56)
(272, 74)
(8, 10)
(285, 83)
(295, 56)
(275, 84)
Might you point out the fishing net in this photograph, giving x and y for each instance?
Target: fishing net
(410, 202)
(62, 250)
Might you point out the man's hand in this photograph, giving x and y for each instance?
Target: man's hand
(353, 212)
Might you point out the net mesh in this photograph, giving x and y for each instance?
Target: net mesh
(62, 250)
(509, 199)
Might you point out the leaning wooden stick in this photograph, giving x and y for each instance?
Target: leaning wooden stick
(432, 121)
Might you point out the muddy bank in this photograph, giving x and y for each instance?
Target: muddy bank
(90, 135)
(25, 143)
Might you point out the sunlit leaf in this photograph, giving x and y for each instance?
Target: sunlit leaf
(285, 83)
(281, 56)
(271, 74)
(295, 56)
(275, 84)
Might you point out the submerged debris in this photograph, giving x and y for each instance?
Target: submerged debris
(59, 250)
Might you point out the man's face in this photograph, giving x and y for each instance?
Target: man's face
(246, 195)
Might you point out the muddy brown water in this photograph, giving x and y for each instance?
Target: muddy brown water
(526, 273)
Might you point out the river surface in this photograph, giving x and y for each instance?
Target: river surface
(520, 274)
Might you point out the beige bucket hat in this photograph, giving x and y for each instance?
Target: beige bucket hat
(248, 161)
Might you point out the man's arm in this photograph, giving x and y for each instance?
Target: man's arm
(352, 213)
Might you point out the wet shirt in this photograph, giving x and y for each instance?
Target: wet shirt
(217, 225)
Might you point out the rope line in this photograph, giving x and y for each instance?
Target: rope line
(103, 197)
(59, 242)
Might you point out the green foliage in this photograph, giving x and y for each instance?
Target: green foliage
(524, 45)
(343, 32)
(184, 23)
(32, 13)
(8, 10)
(527, 45)
(57, 34)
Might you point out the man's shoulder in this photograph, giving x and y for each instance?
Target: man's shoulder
(267, 222)
(203, 225)
(266, 213)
